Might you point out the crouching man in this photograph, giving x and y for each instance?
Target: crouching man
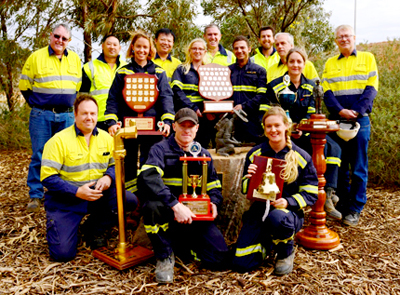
(168, 223)
(78, 171)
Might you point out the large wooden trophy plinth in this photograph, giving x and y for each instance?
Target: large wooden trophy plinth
(215, 86)
(125, 255)
(317, 236)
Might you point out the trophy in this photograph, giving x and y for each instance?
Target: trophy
(286, 97)
(267, 189)
(267, 182)
(140, 94)
(200, 205)
(215, 85)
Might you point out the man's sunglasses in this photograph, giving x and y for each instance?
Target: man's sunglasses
(59, 37)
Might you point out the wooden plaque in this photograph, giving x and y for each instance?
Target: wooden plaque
(215, 82)
(140, 91)
(255, 180)
(142, 123)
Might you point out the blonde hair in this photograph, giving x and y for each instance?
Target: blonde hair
(186, 65)
(290, 172)
(134, 37)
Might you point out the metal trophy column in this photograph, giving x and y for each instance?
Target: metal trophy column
(125, 255)
(317, 236)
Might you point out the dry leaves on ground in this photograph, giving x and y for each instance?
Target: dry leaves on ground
(366, 262)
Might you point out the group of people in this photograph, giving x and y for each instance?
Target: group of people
(72, 144)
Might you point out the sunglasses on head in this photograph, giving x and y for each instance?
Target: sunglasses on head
(59, 37)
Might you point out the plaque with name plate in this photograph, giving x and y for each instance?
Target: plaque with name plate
(215, 85)
(140, 94)
(267, 182)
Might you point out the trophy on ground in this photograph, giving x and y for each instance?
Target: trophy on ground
(140, 93)
(200, 205)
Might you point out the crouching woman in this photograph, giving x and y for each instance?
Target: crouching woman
(272, 226)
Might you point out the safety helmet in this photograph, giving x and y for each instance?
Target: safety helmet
(348, 130)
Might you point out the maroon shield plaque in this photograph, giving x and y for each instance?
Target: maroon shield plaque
(215, 85)
(140, 93)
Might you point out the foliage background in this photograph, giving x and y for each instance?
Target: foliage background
(25, 26)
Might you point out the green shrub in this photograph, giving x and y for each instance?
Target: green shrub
(384, 152)
(14, 128)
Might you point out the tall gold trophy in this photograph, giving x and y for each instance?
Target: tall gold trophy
(125, 255)
(200, 205)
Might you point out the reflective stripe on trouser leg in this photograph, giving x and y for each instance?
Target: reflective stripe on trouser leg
(284, 224)
(157, 218)
(254, 241)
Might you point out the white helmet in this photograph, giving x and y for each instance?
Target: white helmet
(348, 130)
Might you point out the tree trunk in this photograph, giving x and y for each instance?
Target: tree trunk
(87, 38)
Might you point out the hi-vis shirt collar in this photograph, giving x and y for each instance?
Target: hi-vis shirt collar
(102, 58)
(260, 50)
(266, 149)
(149, 68)
(51, 51)
(78, 132)
(353, 53)
(168, 57)
(222, 50)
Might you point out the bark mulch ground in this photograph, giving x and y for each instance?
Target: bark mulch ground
(366, 262)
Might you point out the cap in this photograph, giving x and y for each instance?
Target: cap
(186, 114)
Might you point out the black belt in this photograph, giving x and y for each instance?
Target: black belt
(57, 110)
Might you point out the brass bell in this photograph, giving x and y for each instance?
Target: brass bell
(267, 189)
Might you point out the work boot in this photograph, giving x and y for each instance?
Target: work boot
(330, 207)
(33, 205)
(335, 199)
(165, 270)
(284, 266)
(352, 218)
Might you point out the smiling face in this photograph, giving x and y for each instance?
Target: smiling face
(345, 40)
(164, 43)
(282, 45)
(141, 50)
(275, 129)
(59, 40)
(185, 132)
(86, 116)
(197, 51)
(212, 37)
(111, 47)
(266, 39)
(295, 64)
(241, 51)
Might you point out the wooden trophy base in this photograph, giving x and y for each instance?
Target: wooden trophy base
(149, 132)
(318, 238)
(132, 255)
(200, 206)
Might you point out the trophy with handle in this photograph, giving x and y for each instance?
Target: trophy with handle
(200, 205)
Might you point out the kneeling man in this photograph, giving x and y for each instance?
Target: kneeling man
(78, 171)
(168, 223)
